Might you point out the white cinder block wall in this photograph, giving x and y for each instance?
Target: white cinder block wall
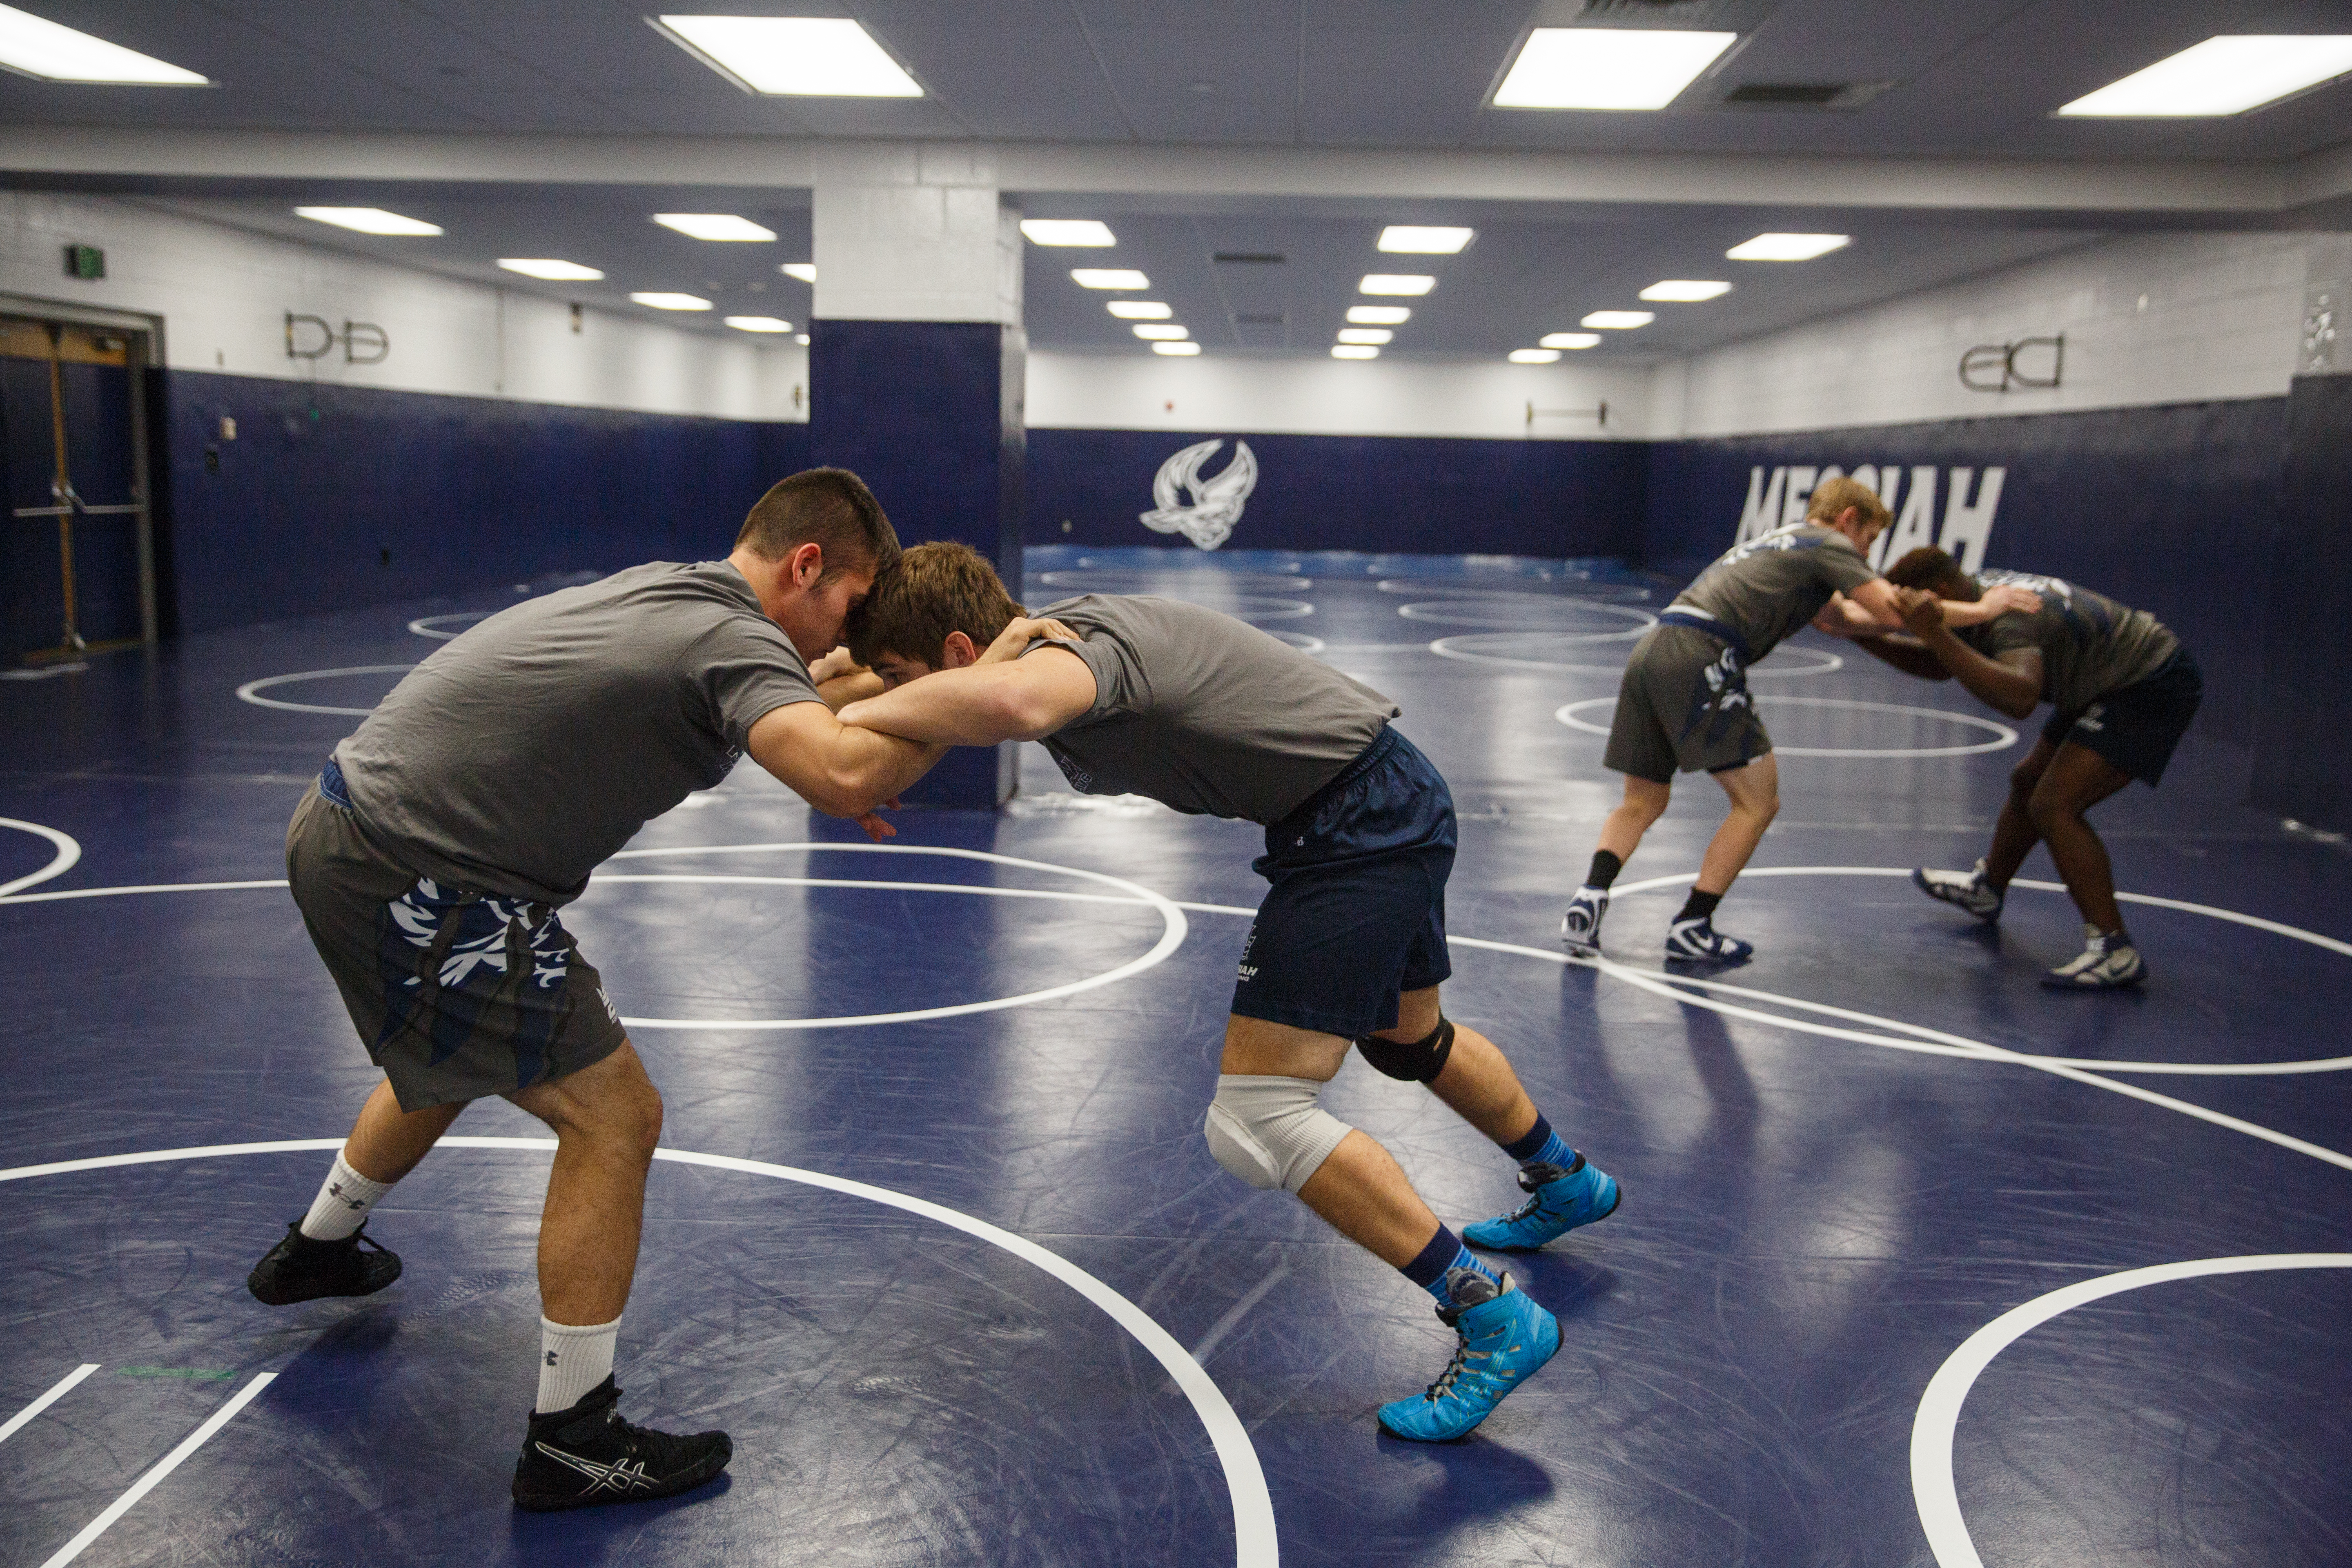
(2147, 319)
(222, 294)
(1323, 396)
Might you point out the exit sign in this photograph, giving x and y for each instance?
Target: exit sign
(85, 261)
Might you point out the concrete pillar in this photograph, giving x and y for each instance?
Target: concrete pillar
(916, 361)
(2305, 709)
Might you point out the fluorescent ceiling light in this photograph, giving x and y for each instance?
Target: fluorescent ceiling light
(1395, 283)
(2220, 76)
(1139, 310)
(757, 324)
(791, 56)
(1570, 340)
(1365, 335)
(671, 302)
(801, 338)
(803, 270)
(715, 226)
(367, 220)
(1415, 241)
(1162, 334)
(1535, 356)
(1607, 67)
(1108, 278)
(549, 270)
(1618, 320)
(1175, 348)
(1067, 231)
(1788, 247)
(1379, 315)
(1687, 290)
(36, 46)
(1354, 351)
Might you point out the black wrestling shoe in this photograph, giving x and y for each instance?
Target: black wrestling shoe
(300, 1269)
(587, 1456)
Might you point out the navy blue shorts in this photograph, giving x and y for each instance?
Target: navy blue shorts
(1357, 912)
(2135, 727)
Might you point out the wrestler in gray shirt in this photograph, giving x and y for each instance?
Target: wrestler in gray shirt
(1766, 588)
(2090, 644)
(1203, 712)
(520, 756)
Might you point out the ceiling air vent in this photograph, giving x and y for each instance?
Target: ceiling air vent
(1251, 257)
(1804, 94)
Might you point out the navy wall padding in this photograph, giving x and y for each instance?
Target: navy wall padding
(1426, 495)
(2300, 767)
(2172, 509)
(928, 414)
(336, 496)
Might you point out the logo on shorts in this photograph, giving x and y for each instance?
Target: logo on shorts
(2094, 717)
(1216, 503)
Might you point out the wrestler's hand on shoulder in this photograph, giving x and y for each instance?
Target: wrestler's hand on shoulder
(1014, 639)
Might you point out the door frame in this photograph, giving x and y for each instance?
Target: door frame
(145, 354)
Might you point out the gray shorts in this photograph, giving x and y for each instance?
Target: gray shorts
(1683, 706)
(457, 995)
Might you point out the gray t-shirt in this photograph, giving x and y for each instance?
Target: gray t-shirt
(1205, 713)
(1770, 586)
(2090, 644)
(523, 754)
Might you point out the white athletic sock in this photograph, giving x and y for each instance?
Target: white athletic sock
(342, 1203)
(572, 1361)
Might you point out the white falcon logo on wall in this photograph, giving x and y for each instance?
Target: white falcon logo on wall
(1216, 503)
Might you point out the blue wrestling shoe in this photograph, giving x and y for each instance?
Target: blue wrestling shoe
(1697, 941)
(1505, 1337)
(1560, 1199)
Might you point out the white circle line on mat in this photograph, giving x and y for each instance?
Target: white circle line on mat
(251, 690)
(1456, 648)
(1934, 1487)
(2004, 737)
(429, 626)
(68, 852)
(1255, 1544)
(2096, 1064)
(1436, 610)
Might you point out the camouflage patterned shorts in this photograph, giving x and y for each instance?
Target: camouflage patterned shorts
(457, 995)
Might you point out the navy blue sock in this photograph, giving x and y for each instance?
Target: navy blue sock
(1444, 1254)
(1541, 1144)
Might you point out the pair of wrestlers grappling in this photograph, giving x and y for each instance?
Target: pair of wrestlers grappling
(431, 858)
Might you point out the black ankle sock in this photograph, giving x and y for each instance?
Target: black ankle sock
(1605, 867)
(1699, 907)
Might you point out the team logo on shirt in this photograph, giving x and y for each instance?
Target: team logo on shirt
(1216, 503)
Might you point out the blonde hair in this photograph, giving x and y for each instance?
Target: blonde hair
(1831, 496)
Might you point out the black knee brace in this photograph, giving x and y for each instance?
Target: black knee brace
(1418, 1062)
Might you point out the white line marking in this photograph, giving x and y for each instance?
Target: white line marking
(427, 627)
(1255, 1542)
(250, 691)
(1932, 1484)
(2005, 737)
(1448, 613)
(1462, 647)
(170, 1462)
(149, 888)
(1173, 929)
(57, 1391)
(68, 852)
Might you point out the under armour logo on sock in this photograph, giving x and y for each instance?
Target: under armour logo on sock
(336, 1189)
(551, 1358)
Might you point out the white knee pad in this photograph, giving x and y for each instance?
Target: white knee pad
(1271, 1132)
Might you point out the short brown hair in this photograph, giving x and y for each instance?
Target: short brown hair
(1831, 496)
(928, 592)
(827, 507)
(1926, 567)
